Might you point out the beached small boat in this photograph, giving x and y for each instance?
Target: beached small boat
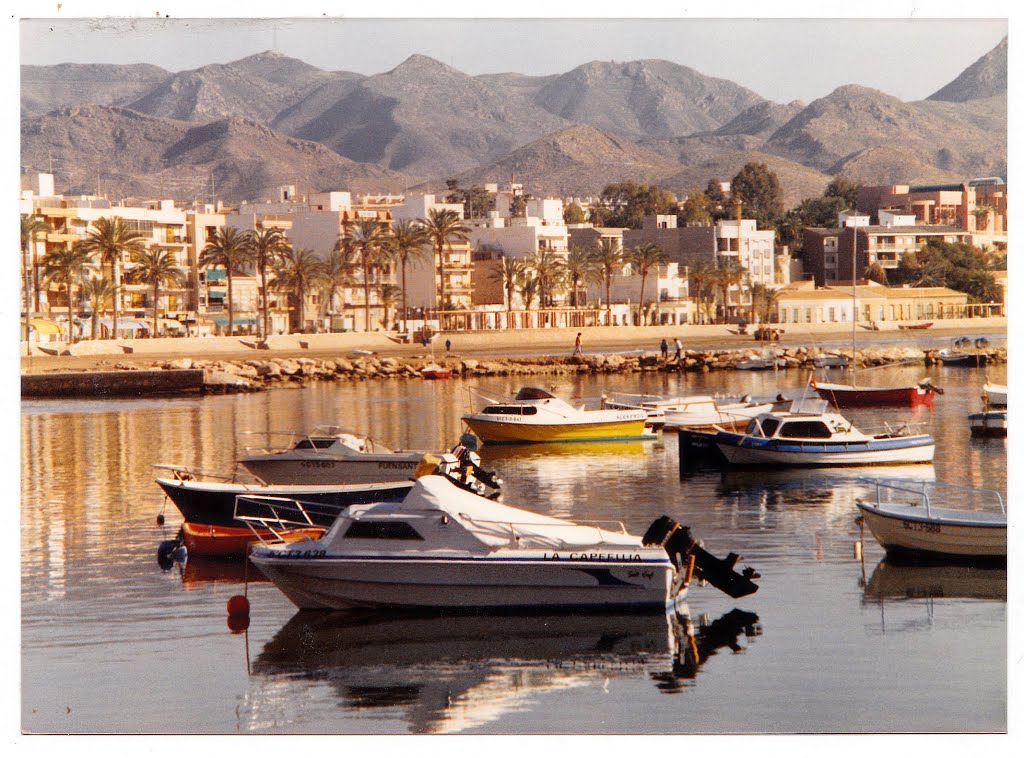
(988, 424)
(328, 455)
(443, 547)
(924, 325)
(811, 435)
(760, 363)
(433, 371)
(955, 355)
(830, 360)
(850, 396)
(535, 415)
(994, 395)
(913, 526)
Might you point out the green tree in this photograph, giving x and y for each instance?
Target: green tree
(155, 268)
(790, 230)
(702, 288)
(98, 292)
(111, 239)
(30, 227)
(476, 201)
(299, 272)
(229, 248)
(630, 202)
(761, 193)
(716, 198)
(408, 244)
(958, 266)
(729, 274)
(820, 211)
(387, 295)
(876, 273)
(844, 189)
(579, 269)
(696, 209)
(599, 213)
(64, 267)
(444, 227)
(508, 274)
(762, 302)
(528, 285)
(642, 259)
(265, 247)
(338, 273)
(368, 240)
(573, 214)
(549, 269)
(607, 257)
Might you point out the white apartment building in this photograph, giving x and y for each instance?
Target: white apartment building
(753, 250)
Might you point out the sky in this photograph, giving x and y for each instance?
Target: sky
(782, 59)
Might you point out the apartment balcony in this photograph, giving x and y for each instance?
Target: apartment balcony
(62, 237)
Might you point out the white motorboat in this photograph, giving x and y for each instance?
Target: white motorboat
(328, 455)
(994, 395)
(913, 526)
(811, 435)
(760, 363)
(535, 415)
(444, 547)
(697, 411)
(988, 423)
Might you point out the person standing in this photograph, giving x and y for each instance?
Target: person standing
(579, 345)
(448, 346)
(679, 350)
(664, 349)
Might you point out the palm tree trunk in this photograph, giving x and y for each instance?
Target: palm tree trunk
(608, 299)
(71, 314)
(440, 259)
(301, 291)
(366, 297)
(231, 310)
(156, 306)
(405, 307)
(115, 277)
(643, 285)
(266, 293)
(35, 272)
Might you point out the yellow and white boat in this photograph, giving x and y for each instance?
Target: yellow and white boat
(535, 415)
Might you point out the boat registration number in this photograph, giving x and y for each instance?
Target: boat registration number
(918, 526)
(317, 464)
(302, 553)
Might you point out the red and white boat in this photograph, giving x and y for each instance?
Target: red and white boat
(434, 371)
(851, 396)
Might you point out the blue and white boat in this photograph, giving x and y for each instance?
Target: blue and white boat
(444, 547)
(811, 435)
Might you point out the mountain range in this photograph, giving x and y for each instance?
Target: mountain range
(240, 129)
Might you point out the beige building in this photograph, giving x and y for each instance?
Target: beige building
(802, 303)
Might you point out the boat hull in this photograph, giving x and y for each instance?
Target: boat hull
(963, 359)
(995, 395)
(221, 541)
(844, 396)
(988, 424)
(320, 468)
(467, 582)
(516, 431)
(902, 531)
(741, 450)
(214, 503)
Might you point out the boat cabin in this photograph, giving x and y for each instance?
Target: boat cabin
(808, 419)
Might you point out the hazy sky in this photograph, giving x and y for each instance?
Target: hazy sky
(781, 59)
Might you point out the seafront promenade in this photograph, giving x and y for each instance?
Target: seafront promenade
(102, 354)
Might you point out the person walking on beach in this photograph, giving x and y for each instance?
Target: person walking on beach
(664, 349)
(679, 350)
(579, 345)
(447, 346)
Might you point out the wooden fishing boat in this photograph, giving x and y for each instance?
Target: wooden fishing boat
(925, 325)
(916, 528)
(434, 371)
(850, 396)
(215, 540)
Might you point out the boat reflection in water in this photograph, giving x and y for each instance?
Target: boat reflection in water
(199, 570)
(893, 581)
(453, 673)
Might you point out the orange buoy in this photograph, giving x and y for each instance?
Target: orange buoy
(238, 605)
(238, 624)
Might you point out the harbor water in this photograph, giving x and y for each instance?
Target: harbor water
(832, 642)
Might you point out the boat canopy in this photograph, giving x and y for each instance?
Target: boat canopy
(494, 524)
(533, 393)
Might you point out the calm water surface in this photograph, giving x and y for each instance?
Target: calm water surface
(110, 643)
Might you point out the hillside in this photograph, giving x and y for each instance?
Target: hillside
(983, 78)
(49, 88)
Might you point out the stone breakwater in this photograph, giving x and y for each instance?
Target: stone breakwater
(252, 375)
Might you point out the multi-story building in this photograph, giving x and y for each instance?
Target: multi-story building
(752, 250)
(803, 303)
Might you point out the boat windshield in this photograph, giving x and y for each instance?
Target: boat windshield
(532, 393)
(315, 443)
(510, 410)
(762, 428)
(805, 429)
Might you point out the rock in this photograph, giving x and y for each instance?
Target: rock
(180, 363)
(268, 369)
(288, 367)
(649, 360)
(469, 365)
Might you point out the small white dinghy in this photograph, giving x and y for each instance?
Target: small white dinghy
(444, 547)
(913, 527)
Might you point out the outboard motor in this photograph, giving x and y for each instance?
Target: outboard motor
(678, 542)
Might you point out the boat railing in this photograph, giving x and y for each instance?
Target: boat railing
(320, 431)
(183, 473)
(921, 492)
(900, 429)
(277, 515)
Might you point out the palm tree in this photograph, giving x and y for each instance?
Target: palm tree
(298, 271)
(443, 227)
(339, 273)
(980, 214)
(642, 259)
(64, 267)
(228, 248)
(728, 274)
(155, 268)
(111, 238)
(508, 274)
(367, 239)
(579, 267)
(265, 247)
(388, 295)
(762, 302)
(607, 260)
(97, 291)
(528, 285)
(30, 227)
(408, 245)
(549, 269)
(703, 278)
